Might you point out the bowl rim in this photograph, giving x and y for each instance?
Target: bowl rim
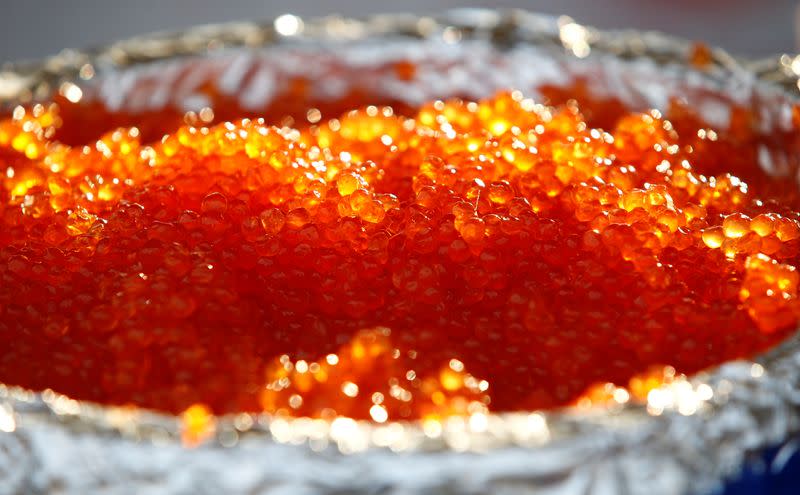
(28, 80)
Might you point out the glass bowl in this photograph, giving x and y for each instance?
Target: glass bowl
(687, 437)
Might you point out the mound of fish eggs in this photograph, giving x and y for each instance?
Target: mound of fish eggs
(468, 256)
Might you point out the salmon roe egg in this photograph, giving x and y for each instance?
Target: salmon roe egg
(389, 263)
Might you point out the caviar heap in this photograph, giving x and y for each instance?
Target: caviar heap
(469, 256)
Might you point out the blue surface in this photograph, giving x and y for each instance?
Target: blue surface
(775, 472)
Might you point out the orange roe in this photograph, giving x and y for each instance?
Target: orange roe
(197, 425)
(470, 256)
(700, 55)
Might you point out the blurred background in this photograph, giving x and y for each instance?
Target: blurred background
(35, 28)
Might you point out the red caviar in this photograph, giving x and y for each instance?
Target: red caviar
(498, 255)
